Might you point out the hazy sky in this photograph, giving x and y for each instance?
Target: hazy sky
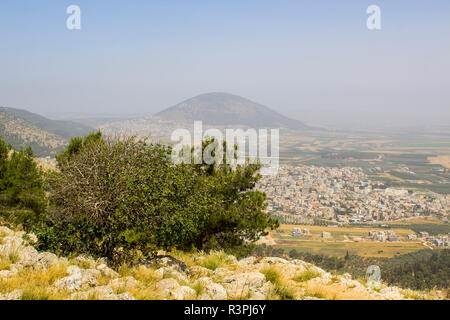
(311, 60)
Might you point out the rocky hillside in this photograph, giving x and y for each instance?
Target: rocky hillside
(30, 275)
(23, 129)
(64, 128)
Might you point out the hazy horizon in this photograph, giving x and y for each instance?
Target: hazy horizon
(312, 61)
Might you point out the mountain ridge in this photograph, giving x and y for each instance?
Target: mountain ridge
(47, 137)
(64, 128)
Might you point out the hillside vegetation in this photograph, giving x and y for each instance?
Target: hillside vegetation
(23, 129)
(22, 134)
(63, 128)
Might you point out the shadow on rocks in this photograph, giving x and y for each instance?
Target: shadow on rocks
(164, 261)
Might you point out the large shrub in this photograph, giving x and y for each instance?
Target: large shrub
(127, 194)
(238, 218)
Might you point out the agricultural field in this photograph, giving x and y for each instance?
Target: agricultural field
(343, 230)
(342, 240)
(362, 249)
(441, 160)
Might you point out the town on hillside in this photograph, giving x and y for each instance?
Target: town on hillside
(346, 196)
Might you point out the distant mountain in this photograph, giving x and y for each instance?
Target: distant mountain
(224, 109)
(23, 129)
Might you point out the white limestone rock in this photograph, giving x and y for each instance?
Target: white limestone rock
(183, 293)
(107, 271)
(216, 291)
(166, 286)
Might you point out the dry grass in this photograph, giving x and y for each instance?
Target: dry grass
(280, 292)
(334, 291)
(149, 293)
(306, 275)
(40, 293)
(83, 263)
(37, 284)
(215, 260)
(282, 288)
(145, 275)
(424, 295)
(272, 274)
(188, 258)
(4, 264)
(9, 256)
(199, 287)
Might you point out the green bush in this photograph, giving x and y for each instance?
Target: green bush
(22, 197)
(127, 194)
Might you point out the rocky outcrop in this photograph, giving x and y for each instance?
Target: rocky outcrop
(183, 293)
(215, 291)
(164, 261)
(167, 286)
(78, 279)
(166, 277)
(242, 285)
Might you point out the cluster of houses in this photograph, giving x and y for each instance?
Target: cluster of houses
(297, 232)
(383, 236)
(438, 241)
(344, 195)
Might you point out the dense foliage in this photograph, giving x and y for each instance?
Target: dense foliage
(22, 198)
(118, 198)
(425, 272)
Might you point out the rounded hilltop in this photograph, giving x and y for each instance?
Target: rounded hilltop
(225, 109)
